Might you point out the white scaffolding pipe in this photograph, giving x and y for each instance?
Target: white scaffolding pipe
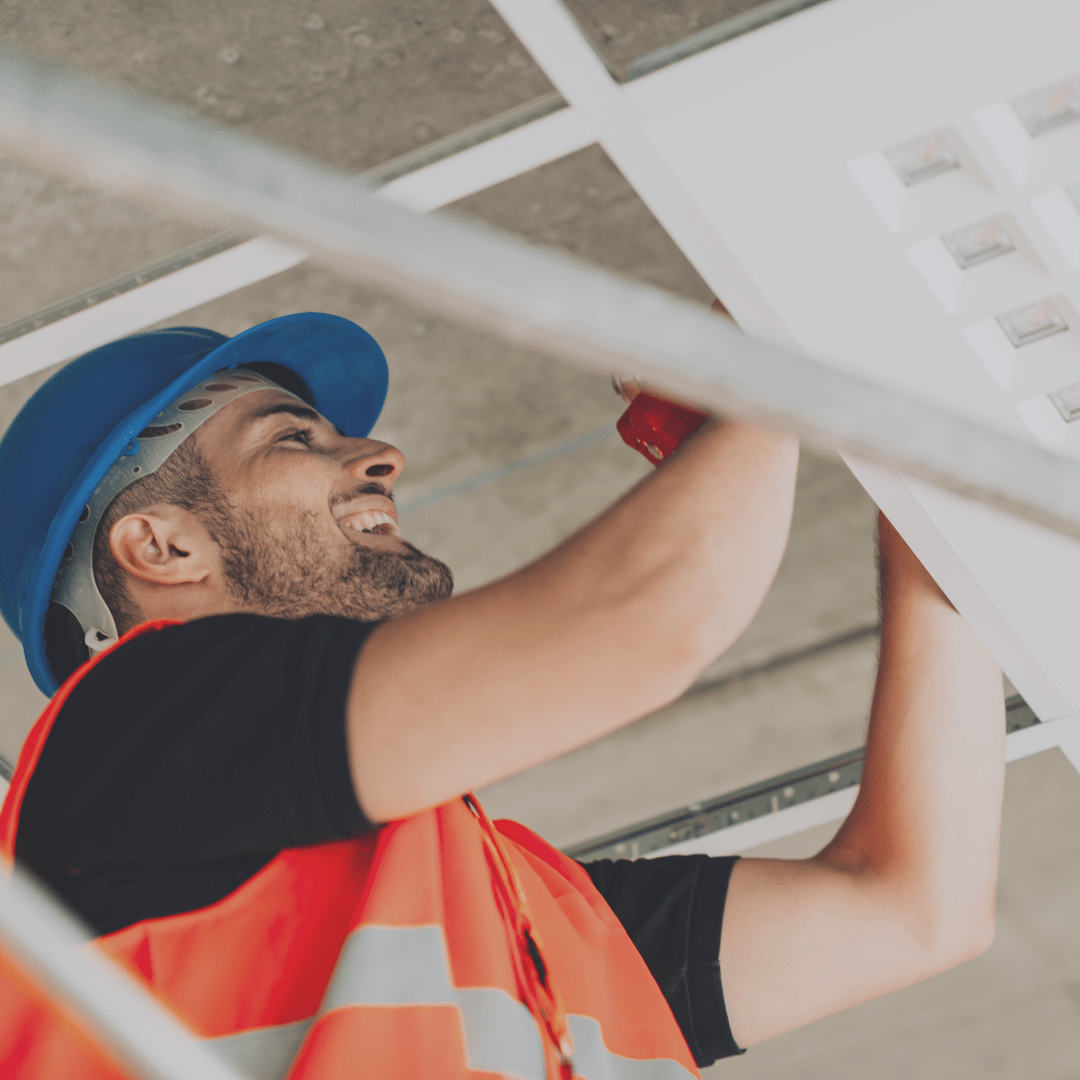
(536, 298)
(55, 949)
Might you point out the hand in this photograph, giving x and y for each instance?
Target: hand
(629, 386)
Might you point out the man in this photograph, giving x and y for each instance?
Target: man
(257, 799)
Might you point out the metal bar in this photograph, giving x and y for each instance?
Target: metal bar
(123, 306)
(819, 782)
(536, 298)
(518, 117)
(484, 164)
(117, 286)
(54, 949)
(711, 36)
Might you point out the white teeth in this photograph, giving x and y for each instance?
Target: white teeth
(373, 521)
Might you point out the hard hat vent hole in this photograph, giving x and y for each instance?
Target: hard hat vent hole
(218, 386)
(68, 551)
(84, 515)
(194, 404)
(156, 433)
(283, 376)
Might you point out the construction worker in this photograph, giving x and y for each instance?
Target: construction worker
(267, 712)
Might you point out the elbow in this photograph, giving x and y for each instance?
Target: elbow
(963, 936)
(978, 938)
(967, 945)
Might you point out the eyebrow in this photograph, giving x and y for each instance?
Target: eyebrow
(290, 408)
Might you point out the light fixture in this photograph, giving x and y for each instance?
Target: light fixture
(1032, 323)
(922, 158)
(1067, 402)
(977, 243)
(1048, 108)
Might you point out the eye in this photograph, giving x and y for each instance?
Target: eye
(298, 435)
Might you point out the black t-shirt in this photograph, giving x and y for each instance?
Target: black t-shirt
(186, 760)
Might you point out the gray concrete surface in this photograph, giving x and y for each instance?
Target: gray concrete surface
(350, 84)
(356, 85)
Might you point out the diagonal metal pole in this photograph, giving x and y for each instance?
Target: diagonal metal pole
(55, 949)
(537, 298)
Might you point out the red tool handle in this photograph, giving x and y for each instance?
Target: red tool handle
(656, 428)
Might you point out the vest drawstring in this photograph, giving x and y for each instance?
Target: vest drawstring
(534, 975)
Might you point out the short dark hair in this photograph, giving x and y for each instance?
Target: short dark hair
(184, 479)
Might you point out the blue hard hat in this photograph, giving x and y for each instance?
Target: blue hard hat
(68, 435)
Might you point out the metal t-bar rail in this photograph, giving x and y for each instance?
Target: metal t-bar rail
(547, 301)
(143, 1035)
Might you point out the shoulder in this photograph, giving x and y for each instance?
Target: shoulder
(226, 647)
(211, 678)
(182, 706)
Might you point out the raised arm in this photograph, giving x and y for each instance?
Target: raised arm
(906, 888)
(612, 624)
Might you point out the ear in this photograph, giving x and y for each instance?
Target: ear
(164, 546)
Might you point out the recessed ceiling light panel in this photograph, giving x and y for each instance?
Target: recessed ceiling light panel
(923, 158)
(1032, 323)
(1067, 402)
(1049, 108)
(977, 243)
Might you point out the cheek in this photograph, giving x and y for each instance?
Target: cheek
(286, 488)
(296, 478)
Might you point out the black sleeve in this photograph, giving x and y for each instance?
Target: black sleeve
(672, 908)
(188, 758)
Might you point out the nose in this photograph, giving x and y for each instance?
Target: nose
(377, 460)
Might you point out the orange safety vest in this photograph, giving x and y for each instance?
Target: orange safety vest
(431, 948)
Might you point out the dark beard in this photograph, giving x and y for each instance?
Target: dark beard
(278, 568)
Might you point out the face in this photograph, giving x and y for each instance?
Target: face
(310, 526)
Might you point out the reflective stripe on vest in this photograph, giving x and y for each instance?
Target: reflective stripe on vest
(408, 966)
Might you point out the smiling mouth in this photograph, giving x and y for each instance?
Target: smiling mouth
(372, 522)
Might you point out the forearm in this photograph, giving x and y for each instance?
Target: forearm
(610, 625)
(906, 888)
(927, 821)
